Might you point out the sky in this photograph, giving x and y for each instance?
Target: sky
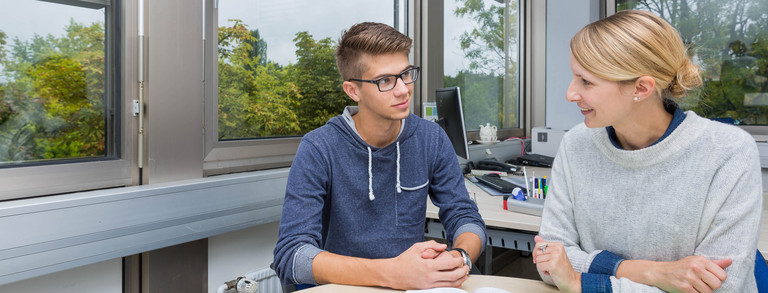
(327, 19)
(17, 23)
(277, 20)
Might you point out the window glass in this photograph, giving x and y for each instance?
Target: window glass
(729, 40)
(52, 82)
(277, 73)
(481, 57)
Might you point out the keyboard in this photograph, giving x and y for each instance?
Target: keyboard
(497, 183)
(535, 160)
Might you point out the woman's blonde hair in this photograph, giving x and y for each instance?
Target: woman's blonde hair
(634, 43)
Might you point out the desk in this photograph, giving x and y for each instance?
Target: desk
(474, 282)
(505, 229)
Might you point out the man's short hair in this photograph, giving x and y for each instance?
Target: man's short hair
(367, 38)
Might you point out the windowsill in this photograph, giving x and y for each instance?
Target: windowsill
(70, 230)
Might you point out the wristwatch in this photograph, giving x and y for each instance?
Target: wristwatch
(465, 257)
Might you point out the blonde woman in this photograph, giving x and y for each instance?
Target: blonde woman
(646, 197)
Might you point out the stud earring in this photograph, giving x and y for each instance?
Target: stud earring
(636, 99)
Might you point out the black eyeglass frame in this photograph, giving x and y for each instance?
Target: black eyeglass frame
(396, 76)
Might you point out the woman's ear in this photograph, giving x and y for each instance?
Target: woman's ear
(351, 90)
(645, 86)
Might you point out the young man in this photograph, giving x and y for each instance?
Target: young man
(355, 203)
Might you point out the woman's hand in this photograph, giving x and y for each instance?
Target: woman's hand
(690, 274)
(551, 260)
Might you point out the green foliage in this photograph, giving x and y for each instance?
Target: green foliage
(53, 96)
(491, 50)
(3, 36)
(481, 94)
(259, 98)
(732, 79)
(318, 80)
(483, 45)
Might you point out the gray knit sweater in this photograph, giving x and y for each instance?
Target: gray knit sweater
(697, 192)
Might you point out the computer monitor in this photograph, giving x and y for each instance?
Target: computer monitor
(450, 116)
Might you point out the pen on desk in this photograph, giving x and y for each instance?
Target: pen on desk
(527, 190)
(541, 188)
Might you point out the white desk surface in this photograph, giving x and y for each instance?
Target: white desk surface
(474, 282)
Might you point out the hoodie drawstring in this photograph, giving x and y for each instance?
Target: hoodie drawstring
(370, 173)
(370, 176)
(399, 190)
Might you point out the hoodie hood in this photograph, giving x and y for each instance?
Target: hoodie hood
(346, 125)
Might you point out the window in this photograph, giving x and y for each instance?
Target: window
(275, 75)
(729, 40)
(276, 69)
(481, 56)
(55, 101)
(59, 98)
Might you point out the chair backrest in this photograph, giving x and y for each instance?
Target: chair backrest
(761, 273)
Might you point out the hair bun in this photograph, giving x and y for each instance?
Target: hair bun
(687, 77)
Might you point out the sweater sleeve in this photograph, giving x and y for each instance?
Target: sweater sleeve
(735, 201)
(299, 234)
(457, 212)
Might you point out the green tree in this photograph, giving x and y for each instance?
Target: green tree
(318, 81)
(710, 27)
(55, 96)
(259, 98)
(253, 99)
(259, 51)
(489, 84)
(483, 45)
(481, 94)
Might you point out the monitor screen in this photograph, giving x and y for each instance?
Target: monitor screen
(450, 116)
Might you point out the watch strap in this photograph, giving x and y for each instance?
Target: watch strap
(464, 256)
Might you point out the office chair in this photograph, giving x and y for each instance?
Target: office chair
(761, 273)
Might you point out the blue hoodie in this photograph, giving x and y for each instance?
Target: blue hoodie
(349, 198)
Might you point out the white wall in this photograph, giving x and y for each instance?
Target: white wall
(564, 19)
(103, 277)
(236, 253)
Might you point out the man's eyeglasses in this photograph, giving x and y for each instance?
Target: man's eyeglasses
(388, 82)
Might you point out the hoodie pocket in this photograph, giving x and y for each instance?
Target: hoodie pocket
(412, 204)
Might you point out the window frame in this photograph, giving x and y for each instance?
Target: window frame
(229, 156)
(70, 175)
(431, 32)
(424, 23)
